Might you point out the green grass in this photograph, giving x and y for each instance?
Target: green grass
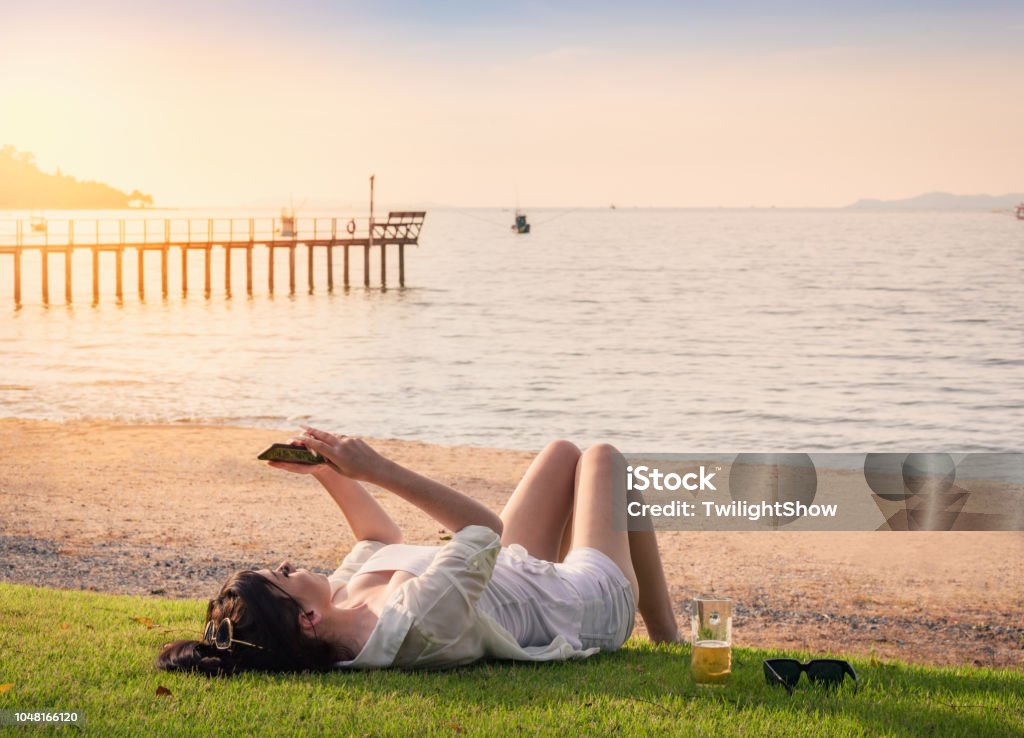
(83, 651)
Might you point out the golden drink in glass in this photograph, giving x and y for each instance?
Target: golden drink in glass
(711, 652)
(711, 662)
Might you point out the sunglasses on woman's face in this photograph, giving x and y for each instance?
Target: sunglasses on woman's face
(826, 672)
(223, 635)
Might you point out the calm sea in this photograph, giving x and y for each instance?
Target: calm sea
(657, 330)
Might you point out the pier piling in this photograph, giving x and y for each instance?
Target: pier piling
(163, 272)
(291, 270)
(309, 267)
(95, 276)
(45, 267)
(17, 275)
(67, 275)
(120, 273)
(142, 272)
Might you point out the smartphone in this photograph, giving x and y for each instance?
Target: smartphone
(291, 454)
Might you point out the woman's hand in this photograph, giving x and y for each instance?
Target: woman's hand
(368, 520)
(352, 457)
(316, 470)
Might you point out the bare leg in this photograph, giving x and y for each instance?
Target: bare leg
(600, 495)
(600, 486)
(566, 544)
(536, 514)
(655, 606)
(540, 517)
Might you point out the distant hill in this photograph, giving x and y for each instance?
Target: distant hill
(943, 201)
(24, 186)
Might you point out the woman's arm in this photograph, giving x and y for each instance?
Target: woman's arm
(354, 458)
(365, 516)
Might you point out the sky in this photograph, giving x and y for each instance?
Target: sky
(557, 104)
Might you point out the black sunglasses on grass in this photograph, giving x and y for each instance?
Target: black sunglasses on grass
(826, 672)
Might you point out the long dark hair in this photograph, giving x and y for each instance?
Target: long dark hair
(262, 614)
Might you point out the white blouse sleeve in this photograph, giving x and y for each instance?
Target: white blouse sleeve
(442, 600)
(352, 563)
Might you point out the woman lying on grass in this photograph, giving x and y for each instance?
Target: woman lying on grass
(491, 592)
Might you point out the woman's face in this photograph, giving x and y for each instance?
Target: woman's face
(309, 589)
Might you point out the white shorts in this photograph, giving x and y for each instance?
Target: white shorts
(608, 605)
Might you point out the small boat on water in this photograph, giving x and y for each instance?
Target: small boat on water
(1020, 211)
(521, 226)
(38, 224)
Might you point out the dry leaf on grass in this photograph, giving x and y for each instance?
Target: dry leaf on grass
(163, 691)
(6, 688)
(144, 621)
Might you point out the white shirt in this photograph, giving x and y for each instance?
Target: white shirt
(435, 620)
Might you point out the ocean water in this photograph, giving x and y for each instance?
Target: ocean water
(656, 330)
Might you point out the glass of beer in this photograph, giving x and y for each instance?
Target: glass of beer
(711, 653)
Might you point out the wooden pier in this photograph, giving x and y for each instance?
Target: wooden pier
(401, 229)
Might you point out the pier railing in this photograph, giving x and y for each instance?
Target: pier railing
(64, 236)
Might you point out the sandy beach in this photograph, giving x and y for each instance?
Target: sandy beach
(170, 511)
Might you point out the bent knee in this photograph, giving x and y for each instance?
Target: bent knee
(603, 455)
(563, 448)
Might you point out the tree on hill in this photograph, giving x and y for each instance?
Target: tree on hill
(24, 186)
(138, 199)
